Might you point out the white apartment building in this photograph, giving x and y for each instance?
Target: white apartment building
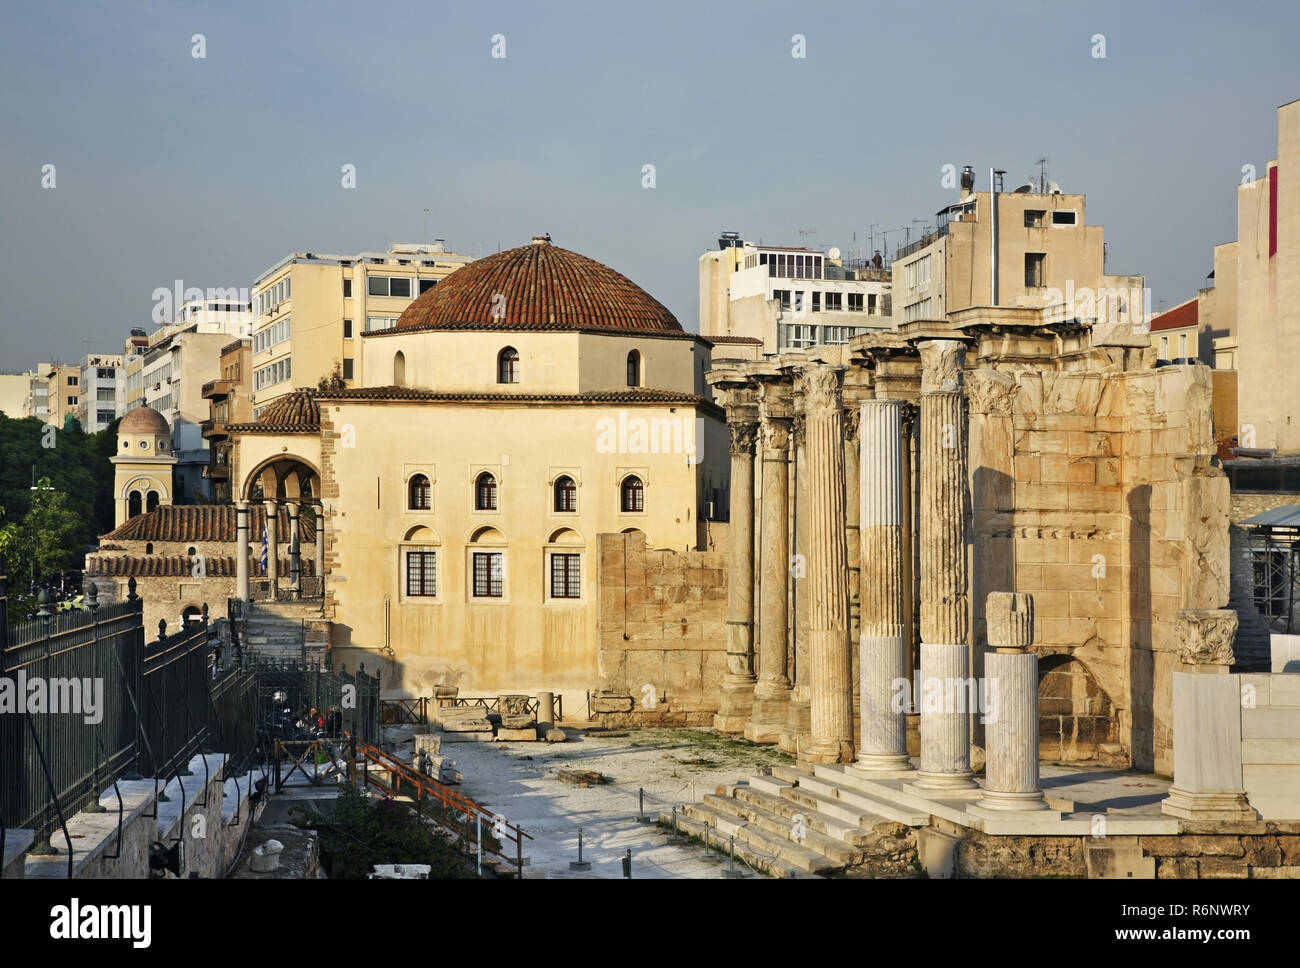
(103, 391)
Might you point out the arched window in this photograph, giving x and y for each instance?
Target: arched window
(634, 369)
(151, 502)
(399, 369)
(190, 551)
(566, 494)
(148, 548)
(633, 494)
(485, 492)
(418, 497)
(508, 365)
(133, 504)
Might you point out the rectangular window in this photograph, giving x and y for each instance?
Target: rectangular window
(1034, 269)
(855, 302)
(1182, 345)
(347, 329)
(398, 286)
(488, 568)
(1065, 218)
(426, 285)
(422, 573)
(374, 323)
(109, 395)
(1034, 218)
(565, 580)
(106, 416)
(834, 302)
(817, 302)
(347, 288)
(72, 401)
(871, 304)
(72, 381)
(347, 369)
(783, 295)
(105, 373)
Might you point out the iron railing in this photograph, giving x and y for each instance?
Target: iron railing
(301, 686)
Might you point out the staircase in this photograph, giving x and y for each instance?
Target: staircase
(276, 630)
(797, 824)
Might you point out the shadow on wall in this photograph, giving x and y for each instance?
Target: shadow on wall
(1075, 715)
(1141, 671)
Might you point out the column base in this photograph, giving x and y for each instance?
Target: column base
(827, 753)
(1207, 806)
(876, 764)
(996, 800)
(735, 707)
(929, 783)
(796, 736)
(769, 716)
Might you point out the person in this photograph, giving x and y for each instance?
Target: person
(315, 720)
(334, 722)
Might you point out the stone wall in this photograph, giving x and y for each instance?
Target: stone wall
(1270, 744)
(662, 632)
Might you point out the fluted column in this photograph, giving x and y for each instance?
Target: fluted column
(1011, 707)
(295, 551)
(737, 695)
(272, 545)
(882, 655)
(945, 609)
(772, 693)
(241, 547)
(831, 689)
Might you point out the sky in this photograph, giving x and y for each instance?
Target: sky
(211, 169)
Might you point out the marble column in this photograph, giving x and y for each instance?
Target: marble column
(272, 547)
(737, 694)
(882, 655)
(295, 551)
(795, 735)
(853, 395)
(241, 551)
(772, 693)
(945, 582)
(1208, 781)
(320, 548)
(831, 688)
(1011, 707)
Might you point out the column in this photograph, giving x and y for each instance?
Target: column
(1208, 713)
(737, 697)
(1011, 707)
(945, 610)
(320, 548)
(295, 552)
(882, 650)
(852, 398)
(772, 693)
(241, 551)
(831, 691)
(272, 547)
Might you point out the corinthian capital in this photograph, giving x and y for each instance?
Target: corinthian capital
(743, 437)
(942, 361)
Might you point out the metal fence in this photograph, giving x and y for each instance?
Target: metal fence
(301, 686)
(95, 703)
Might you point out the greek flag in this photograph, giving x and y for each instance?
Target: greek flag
(263, 547)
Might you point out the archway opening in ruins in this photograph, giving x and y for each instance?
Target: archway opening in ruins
(1075, 715)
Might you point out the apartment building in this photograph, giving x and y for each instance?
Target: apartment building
(310, 310)
(15, 389)
(228, 403)
(790, 296)
(1029, 247)
(103, 391)
(62, 391)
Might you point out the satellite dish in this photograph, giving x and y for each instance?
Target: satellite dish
(1053, 188)
(1024, 189)
(833, 252)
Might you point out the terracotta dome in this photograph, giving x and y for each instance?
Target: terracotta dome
(143, 420)
(543, 287)
(293, 411)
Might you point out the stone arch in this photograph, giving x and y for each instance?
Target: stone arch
(191, 613)
(487, 535)
(399, 369)
(152, 501)
(134, 504)
(565, 536)
(1075, 714)
(422, 534)
(285, 477)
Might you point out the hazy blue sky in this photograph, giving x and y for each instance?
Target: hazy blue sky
(171, 167)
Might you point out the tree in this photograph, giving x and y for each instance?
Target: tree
(334, 381)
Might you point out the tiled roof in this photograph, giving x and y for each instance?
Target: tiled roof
(538, 287)
(205, 522)
(732, 339)
(1188, 314)
(143, 420)
(295, 412)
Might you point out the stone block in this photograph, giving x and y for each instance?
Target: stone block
(1285, 653)
(556, 736)
(604, 703)
(478, 736)
(466, 724)
(528, 735)
(937, 853)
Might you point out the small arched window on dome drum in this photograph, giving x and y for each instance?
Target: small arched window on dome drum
(566, 494)
(508, 365)
(133, 504)
(418, 499)
(151, 502)
(485, 492)
(399, 369)
(148, 548)
(632, 494)
(634, 369)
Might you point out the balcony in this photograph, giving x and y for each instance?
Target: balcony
(216, 472)
(217, 388)
(213, 427)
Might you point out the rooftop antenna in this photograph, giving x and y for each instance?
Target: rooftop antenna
(1042, 175)
(804, 233)
(426, 225)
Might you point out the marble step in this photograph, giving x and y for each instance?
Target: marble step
(703, 831)
(775, 845)
(775, 822)
(839, 822)
(846, 815)
(834, 790)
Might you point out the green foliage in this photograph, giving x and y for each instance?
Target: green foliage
(363, 832)
(334, 381)
(52, 528)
